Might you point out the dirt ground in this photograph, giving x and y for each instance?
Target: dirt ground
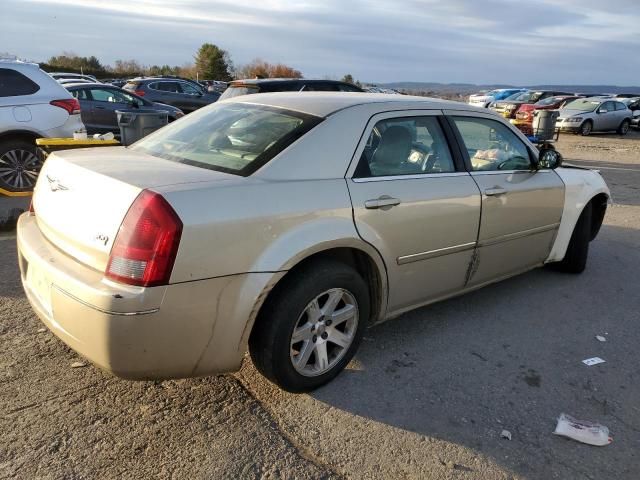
(426, 397)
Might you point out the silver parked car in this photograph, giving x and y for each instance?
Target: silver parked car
(594, 114)
(285, 224)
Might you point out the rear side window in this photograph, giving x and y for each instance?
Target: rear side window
(14, 83)
(620, 106)
(234, 138)
(131, 86)
(81, 94)
(319, 87)
(405, 146)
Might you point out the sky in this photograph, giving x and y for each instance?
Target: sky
(518, 42)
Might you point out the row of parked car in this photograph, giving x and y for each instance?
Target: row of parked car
(577, 113)
(35, 104)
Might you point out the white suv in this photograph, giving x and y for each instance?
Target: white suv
(32, 105)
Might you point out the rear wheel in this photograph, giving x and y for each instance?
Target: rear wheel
(311, 327)
(586, 128)
(575, 260)
(19, 165)
(623, 129)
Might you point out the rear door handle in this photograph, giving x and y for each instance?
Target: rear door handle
(493, 192)
(383, 201)
(98, 107)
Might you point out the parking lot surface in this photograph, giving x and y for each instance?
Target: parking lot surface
(427, 396)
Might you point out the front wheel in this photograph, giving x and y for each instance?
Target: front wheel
(575, 260)
(586, 128)
(311, 327)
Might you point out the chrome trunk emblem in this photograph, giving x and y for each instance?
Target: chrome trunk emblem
(54, 185)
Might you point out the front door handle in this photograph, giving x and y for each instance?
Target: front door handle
(98, 107)
(493, 192)
(383, 201)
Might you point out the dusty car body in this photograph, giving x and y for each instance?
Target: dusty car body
(587, 115)
(172, 257)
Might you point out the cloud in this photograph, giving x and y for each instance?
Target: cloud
(458, 40)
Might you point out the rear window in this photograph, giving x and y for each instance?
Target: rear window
(234, 138)
(236, 91)
(14, 83)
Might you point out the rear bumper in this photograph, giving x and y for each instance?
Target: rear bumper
(175, 331)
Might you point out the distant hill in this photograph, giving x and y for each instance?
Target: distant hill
(469, 88)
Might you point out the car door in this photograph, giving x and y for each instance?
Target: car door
(605, 118)
(413, 201)
(521, 208)
(191, 96)
(106, 101)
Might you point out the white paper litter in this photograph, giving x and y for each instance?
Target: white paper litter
(593, 361)
(600, 338)
(506, 434)
(582, 431)
(78, 365)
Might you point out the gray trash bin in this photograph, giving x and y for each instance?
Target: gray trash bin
(544, 124)
(137, 123)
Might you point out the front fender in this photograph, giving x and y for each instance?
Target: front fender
(581, 185)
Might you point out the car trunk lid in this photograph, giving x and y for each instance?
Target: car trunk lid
(82, 196)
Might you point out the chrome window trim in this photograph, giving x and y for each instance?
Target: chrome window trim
(416, 257)
(500, 172)
(415, 176)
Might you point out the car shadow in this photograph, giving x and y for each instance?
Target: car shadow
(509, 357)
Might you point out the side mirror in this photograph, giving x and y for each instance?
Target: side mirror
(549, 158)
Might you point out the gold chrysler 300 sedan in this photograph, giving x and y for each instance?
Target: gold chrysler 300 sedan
(287, 223)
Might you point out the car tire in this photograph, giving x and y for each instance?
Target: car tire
(575, 259)
(586, 128)
(19, 165)
(623, 129)
(301, 305)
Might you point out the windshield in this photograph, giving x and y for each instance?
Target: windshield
(549, 101)
(236, 91)
(582, 105)
(527, 97)
(233, 137)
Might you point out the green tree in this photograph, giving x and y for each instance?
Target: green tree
(348, 78)
(213, 63)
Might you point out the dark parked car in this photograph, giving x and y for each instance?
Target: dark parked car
(184, 94)
(263, 85)
(99, 102)
(510, 106)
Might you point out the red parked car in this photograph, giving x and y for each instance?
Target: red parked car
(524, 116)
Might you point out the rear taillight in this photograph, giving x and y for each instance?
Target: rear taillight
(71, 105)
(140, 93)
(146, 245)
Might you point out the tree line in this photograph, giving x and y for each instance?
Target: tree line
(209, 63)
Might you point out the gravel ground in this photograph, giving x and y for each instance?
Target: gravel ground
(426, 397)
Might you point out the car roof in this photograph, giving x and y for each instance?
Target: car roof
(323, 104)
(262, 81)
(90, 84)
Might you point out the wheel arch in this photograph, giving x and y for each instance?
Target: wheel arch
(22, 134)
(581, 188)
(358, 255)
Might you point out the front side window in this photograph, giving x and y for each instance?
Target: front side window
(491, 145)
(234, 138)
(189, 89)
(14, 83)
(405, 146)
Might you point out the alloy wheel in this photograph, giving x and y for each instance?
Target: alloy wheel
(324, 332)
(18, 169)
